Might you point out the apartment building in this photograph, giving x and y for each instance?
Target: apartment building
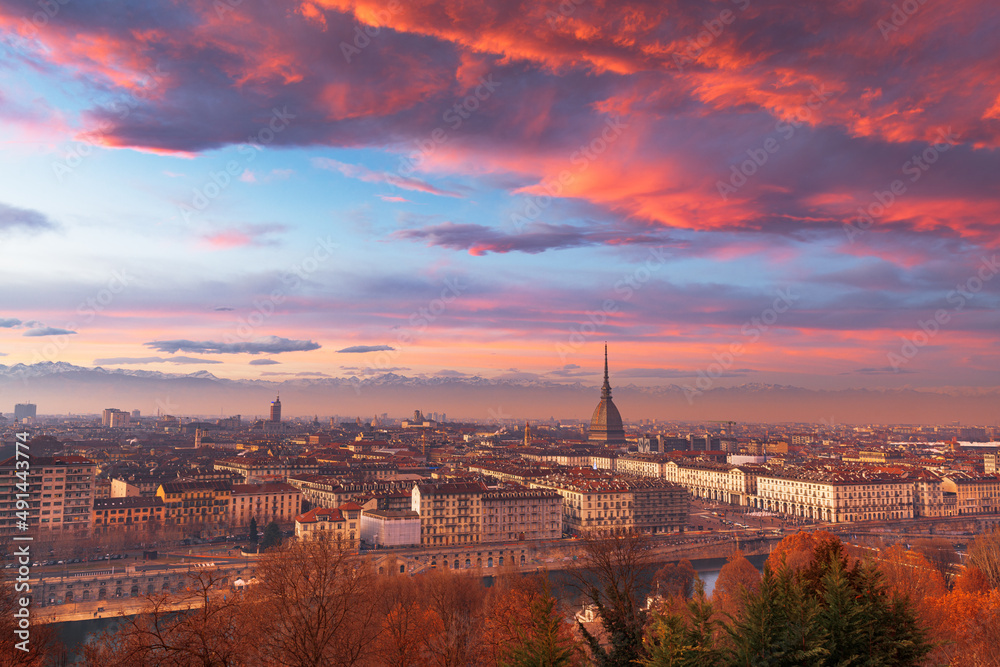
(836, 496)
(329, 491)
(138, 485)
(264, 502)
(390, 528)
(61, 494)
(196, 503)
(342, 524)
(128, 513)
(450, 513)
(638, 465)
(929, 498)
(591, 503)
(974, 493)
(266, 467)
(506, 471)
(720, 482)
(659, 506)
(514, 514)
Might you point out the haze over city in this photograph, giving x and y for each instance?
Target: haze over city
(463, 201)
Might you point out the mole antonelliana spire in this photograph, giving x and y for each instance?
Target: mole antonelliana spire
(606, 424)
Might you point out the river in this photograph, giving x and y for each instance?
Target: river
(74, 634)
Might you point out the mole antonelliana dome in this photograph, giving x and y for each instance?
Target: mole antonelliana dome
(606, 424)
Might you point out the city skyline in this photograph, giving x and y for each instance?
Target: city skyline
(731, 196)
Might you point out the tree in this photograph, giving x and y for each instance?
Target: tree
(966, 628)
(543, 643)
(798, 550)
(272, 536)
(736, 578)
(907, 574)
(780, 624)
(686, 638)
(972, 580)
(318, 605)
(610, 572)
(253, 530)
(940, 553)
(406, 623)
(827, 614)
(457, 605)
(200, 626)
(675, 579)
(984, 554)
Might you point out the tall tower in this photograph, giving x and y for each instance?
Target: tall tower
(24, 411)
(527, 434)
(276, 409)
(606, 424)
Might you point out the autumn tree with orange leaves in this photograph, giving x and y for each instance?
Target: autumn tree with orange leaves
(736, 578)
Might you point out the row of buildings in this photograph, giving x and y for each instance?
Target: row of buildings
(61, 498)
(823, 491)
(460, 512)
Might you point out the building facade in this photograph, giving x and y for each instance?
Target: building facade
(196, 503)
(130, 513)
(342, 524)
(61, 494)
(510, 515)
(264, 502)
(390, 528)
(450, 513)
(836, 496)
(974, 494)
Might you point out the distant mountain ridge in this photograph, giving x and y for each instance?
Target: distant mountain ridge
(60, 387)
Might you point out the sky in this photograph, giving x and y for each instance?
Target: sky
(726, 192)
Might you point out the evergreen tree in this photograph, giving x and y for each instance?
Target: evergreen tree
(676, 640)
(779, 625)
(845, 617)
(543, 645)
(272, 536)
(889, 632)
(253, 530)
(826, 614)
